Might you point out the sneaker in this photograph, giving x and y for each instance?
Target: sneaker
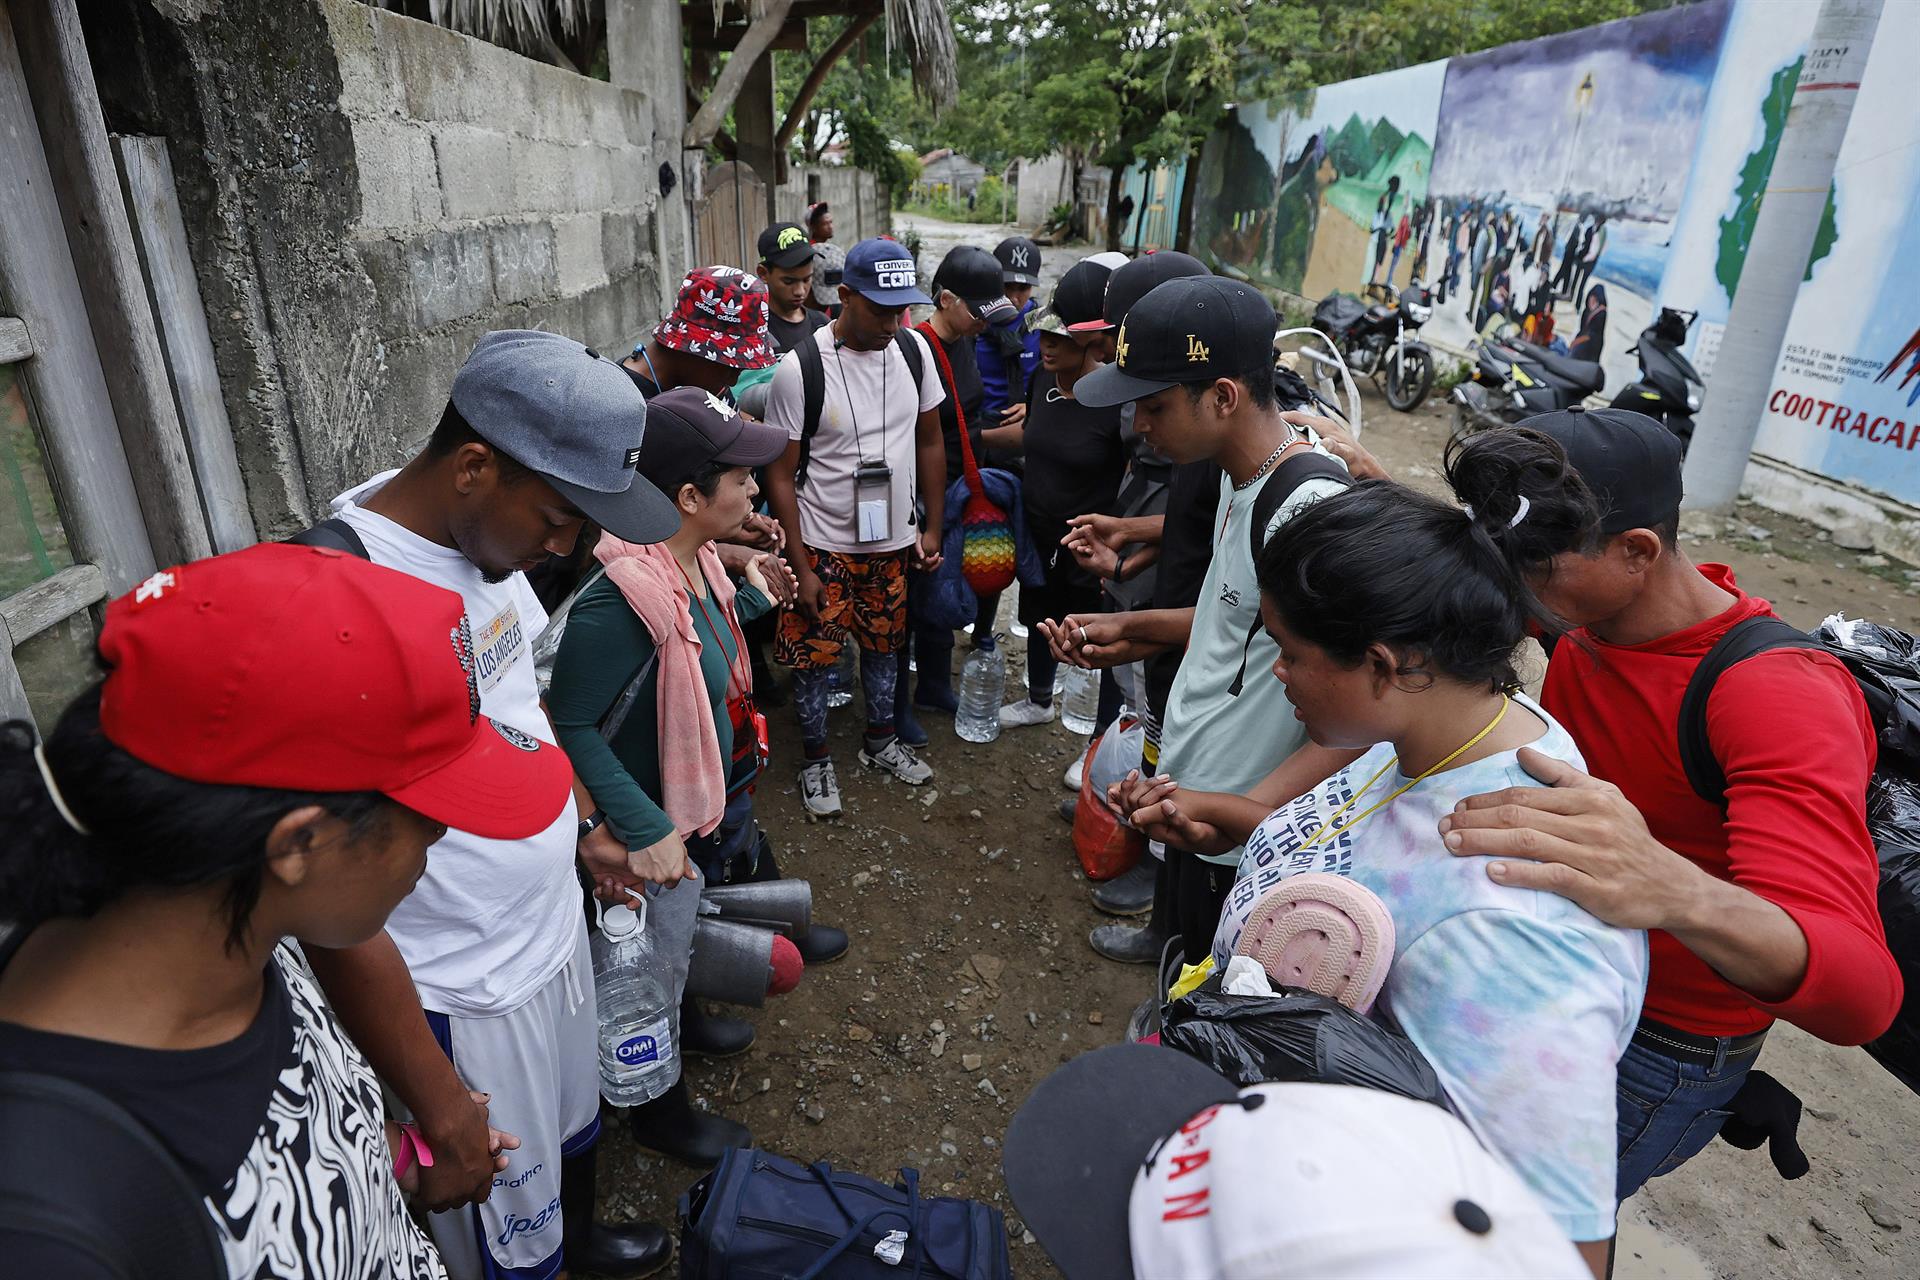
(1075, 774)
(820, 790)
(897, 760)
(1015, 715)
(1322, 933)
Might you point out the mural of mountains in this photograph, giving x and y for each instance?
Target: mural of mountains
(1357, 147)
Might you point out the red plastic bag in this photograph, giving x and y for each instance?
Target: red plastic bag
(1106, 847)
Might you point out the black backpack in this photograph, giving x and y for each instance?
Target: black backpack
(1274, 491)
(813, 390)
(1885, 663)
(334, 534)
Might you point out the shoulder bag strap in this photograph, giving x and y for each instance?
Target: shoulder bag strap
(1742, 641)
(813, 400)
(967, 463)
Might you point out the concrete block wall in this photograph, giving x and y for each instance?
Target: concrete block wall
(494, 192)
(859, 206)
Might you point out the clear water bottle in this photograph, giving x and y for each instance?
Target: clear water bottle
(1079, 699)
(639, 1021)
(983, 686)
(840, 682)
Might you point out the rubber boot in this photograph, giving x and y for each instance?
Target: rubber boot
(1128, 894)
(708, 1035)
(934, 690)
(821, 943)
(673, 1126)
(905, 727)
(624, 1253)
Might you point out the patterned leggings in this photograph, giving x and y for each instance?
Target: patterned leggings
(878, 671)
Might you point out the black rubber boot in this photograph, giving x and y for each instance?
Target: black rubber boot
(905, 727)
(1128, 894)
(623, 1253)
(1125, 944)
(708, 1035)
(933, 688)
(673, 1126)
(821, 944)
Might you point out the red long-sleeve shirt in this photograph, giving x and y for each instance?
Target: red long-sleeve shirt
(1791, 732)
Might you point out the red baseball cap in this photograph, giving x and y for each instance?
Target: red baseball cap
(308, 669)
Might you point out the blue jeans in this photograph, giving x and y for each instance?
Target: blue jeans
(1670, 1108)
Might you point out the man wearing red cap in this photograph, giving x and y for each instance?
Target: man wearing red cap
(540, 435)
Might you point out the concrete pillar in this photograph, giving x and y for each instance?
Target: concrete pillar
(644, 52)
(1777, 256)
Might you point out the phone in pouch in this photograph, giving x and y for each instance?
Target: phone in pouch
(873, 501)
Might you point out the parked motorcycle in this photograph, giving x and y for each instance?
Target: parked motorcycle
(1669, 389)
(1376, 340)
(1514, 379)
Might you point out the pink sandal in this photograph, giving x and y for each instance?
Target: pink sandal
(1322, 933)
(413, 1150)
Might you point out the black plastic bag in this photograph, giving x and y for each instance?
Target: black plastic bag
(1295, 1036)
(1893, 819)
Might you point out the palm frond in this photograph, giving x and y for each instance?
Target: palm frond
(924, 32)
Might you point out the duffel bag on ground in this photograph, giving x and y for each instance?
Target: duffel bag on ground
(759, 1216)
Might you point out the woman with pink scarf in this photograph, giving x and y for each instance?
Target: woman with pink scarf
(652, 700)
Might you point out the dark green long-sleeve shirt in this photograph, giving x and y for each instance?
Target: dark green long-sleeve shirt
(604, 647)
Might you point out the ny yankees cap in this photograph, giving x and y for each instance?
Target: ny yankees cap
(1019, 260)
(785, 244)
(971, 274)
(882, 272)
(1631, 463)
(308, 669)
(572, 417)
(1138, 1161)
(1193, 329)
(688, 427)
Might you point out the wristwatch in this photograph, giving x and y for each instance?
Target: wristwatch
(591, 823)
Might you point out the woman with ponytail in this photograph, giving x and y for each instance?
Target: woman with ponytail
(1397, 617)
(279, 736)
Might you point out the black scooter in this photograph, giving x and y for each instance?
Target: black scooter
(1514, 379)
(1377, 339)
(1669, 389)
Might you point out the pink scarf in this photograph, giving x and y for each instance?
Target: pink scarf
(693, 775)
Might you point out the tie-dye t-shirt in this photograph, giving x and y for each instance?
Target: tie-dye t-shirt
(1521, 1000)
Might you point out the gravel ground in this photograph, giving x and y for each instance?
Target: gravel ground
(970, 977)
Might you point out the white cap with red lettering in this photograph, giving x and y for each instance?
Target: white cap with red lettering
(1274, 1182)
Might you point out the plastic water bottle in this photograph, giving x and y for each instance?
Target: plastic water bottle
(1079, 699)
(983, 686)
(840, 683)
(639, 1023)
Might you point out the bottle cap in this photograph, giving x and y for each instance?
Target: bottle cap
(623, 921)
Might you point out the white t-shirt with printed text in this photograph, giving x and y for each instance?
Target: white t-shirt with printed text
(871, 413)
(491, 920)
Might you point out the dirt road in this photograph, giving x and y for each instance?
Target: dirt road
(970, 977)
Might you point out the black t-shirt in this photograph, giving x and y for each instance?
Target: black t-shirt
(971, 393)
(788, 333)
(646, 384)
(1186, 548)
(1075, 456)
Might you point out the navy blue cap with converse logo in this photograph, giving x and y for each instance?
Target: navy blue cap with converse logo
(882, 272)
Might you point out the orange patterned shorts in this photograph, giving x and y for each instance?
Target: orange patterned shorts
(866, 598)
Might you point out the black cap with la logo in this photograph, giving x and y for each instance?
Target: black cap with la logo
(1193, 329)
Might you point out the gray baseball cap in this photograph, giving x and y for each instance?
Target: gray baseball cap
(574, 418)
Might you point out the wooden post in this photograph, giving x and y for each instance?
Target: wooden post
(146, 176)
(98, 503)
(74, 136)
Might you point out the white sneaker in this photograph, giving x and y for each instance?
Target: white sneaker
(1075, 774)
(820, 790)
(1014, 715)
(897, 760)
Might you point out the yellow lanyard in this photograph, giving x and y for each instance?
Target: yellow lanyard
(1327, 828)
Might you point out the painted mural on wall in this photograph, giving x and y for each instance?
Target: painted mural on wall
(1845, 401)
(1560, 167)
(1325, 189)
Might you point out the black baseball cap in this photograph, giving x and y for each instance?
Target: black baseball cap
(972, 274)
(1193, 329)
(1142, 276)
(1076, 1144)
(1631, 462)
(785, 244)
(688, 427)
(1076, 300)
(1019, 260)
